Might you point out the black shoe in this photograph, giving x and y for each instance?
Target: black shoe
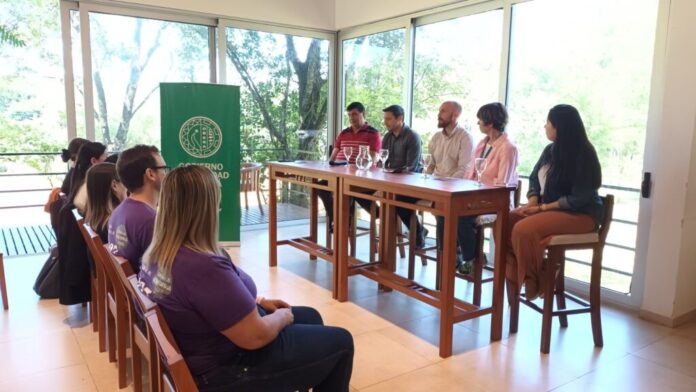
(420, 239)
(465, 267)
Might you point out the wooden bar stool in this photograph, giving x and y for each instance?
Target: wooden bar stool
(483, 222)
(3, 284)
(554, 281)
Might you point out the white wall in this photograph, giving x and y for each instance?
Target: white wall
(357, 12)
(316, 14)
(670, 291)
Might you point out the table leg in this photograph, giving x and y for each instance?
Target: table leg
(501, 227)
(340, 238)
(313, 216)
(447, 284)
(272, 222)
(389, 238)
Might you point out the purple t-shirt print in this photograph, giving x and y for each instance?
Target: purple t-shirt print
(130, 228)
(208, 295)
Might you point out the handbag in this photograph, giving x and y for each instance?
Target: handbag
(47, 283)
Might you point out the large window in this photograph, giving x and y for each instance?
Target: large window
(457, 59)
(597, 56)
(284, 82)
(130, 57)
(32, 106)
(374, 69)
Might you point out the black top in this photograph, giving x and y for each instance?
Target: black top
(577, 194)
(404, 150)
(67, 182)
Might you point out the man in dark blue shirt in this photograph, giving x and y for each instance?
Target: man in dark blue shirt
(404, 147)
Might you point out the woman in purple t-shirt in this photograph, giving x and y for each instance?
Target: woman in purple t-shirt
(230, 338)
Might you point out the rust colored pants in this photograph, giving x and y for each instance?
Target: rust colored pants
(528, 241)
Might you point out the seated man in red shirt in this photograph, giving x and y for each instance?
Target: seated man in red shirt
(359, 133)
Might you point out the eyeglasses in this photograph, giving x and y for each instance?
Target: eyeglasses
(165, 168)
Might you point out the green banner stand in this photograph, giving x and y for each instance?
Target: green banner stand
(200, 125)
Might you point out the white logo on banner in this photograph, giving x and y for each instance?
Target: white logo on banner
(200, 137)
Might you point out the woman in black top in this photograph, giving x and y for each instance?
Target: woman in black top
(69, 156)
(562, 197)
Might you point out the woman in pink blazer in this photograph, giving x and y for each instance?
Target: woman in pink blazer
(500, 153)
(501, 169)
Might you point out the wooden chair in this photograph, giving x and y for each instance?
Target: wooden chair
(142, 344)
(117, 317)
(554, 281)
(3, 284)
(175, 374)
(250, 174)
(98, 288)
(97, 292)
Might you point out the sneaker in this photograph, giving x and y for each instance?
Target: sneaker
(465, 267)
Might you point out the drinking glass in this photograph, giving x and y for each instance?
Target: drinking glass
(383, 155)
(348, 151)
(479, 166)
(427, 160)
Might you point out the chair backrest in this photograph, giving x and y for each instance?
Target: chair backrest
(112, 268)
(141, 301)
(171, 361)
(143, 342)
(608, 201)
(249, 176)
(80, 220)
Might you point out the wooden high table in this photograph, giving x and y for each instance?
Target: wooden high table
(317, 176)
(451, 198)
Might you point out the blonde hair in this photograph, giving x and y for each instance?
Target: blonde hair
(187, 216)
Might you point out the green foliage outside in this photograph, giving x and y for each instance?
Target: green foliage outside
(32, 108)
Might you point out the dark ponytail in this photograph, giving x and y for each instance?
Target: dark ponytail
(71, 152)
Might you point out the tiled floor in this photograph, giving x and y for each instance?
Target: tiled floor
(48, 347)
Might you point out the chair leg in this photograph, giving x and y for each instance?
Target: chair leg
(412, 247)
(136, 361)
(153, 366)
(246, 200)
(548, 285)
(478, 267)
(353, 232)
(121, 329)
(3, 284)
(373, 231)
(438, 268)
(400, 239)
(101, 308)
(595, 286)
(560, 293)
(328, 233)
(513, 294)
(258, 198)
(111, 335)
(93, 311)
